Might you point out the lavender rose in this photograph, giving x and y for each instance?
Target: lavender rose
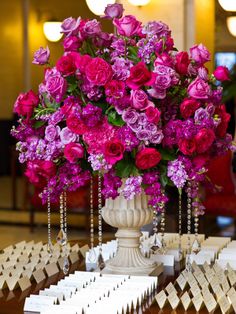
(51, 132)
(199, 89)
(200, 54)
(71, 43)
(67, 136)
(92, 28)
(55, 84)
(70, 26)
(130, 116)
(139, 99)
(127, 25)
(144, 135)
(113, 11)
(41, 56)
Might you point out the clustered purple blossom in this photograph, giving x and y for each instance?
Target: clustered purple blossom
(98, 162)
(91, 91)
(146, 48)
(119, 48)
(132, 187)
(128, 138)
(121, 68)
(111, 184)
(91, 115)
(177, 173)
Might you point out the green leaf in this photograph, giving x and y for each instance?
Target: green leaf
(125, 168)
(167, 155)
(114, 118)
(38, 124)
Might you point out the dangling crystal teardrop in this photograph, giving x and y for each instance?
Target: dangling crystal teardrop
(156, 243)
(196, 247)
(50, 248)
(66, 265)
(92, 256)
(61, 237)
(101, 262)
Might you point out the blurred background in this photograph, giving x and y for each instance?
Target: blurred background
(210, 22)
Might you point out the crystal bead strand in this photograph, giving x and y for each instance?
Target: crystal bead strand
(101, 263)
(61, 237)
(156, 244)
(163, 224)
(196, 244)
(50, 246)
(180, 223)
(66, 260)
(189, 216)
(92, 254)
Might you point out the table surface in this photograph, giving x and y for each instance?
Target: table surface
(12, 302)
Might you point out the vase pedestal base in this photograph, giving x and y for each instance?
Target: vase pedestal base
(136, 271)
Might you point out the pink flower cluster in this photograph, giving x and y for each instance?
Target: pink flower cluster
(126, 104)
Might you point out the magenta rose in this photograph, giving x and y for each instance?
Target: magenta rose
(113, 151)
(41, 56)
(199, 89)
(127, 26)
(187, 146)
(204, 139)
(98, 72)
(25, 104)
(188, 107)
(92, 28)
(71, 43)
(81, 61)
(182, 62)
(66, 65)
(115, 89)
(76, 125)
(139, 76)
(221, 73)
(55, 84)
(70, 26)
(139, 99)
(67, 136)
(39, 171)
(153, 114)
(73, 152)
(200, 54)
(147, 158)
(113, 11)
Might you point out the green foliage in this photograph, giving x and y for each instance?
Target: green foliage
(126, 167)
(114, 118)
(166, 154)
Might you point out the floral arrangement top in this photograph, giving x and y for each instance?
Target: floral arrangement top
(128, 105)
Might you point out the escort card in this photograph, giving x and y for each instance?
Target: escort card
(73, 257)
(232, 277)
(170, 288)
(38, 275)
(173, 300)
(20, 245)
(186, 301)
(12, 282)
(195, 290)
(181, 281)
(210, 302)
(24, 283)
(75, 248)
(218, 292)
(51, 269)
(38, 303)
(57, 294)
(84, 249)
(3, 283)
(224, 304)
(225, 285)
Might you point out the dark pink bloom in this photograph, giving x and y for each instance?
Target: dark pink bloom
(98, 71)
(187, 146)
(73, 152)
(76, 125)
(127, 25)
(139, 76)
(66, 65)
(71, 43)
(39, 171)
(221, 73)
(182, 62)
(204, 139)
(147, 158)
(188, 107)
(199, 89)
(139, 99)
(113, 151)
(153, 114)
(25, 104)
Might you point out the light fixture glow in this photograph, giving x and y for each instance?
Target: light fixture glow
(98, 6)
(231, 24)
(139, 3)
(52, 31)
(228, 5)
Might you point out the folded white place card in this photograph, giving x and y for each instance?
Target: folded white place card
(225, 285)
(224, 304)
(173, 300)
(167, 260)
(223, 263)
(73, 257)
(170, 288)
(161, 299)
(210, 302)
(198, 302)
(38, 303)
(24, 283)
(195, 290)
(12, 282)
(217, 290)
(20, 244)
(51, 269)
(38, 275)
(75, 248)
(52, 293)
(186, 300)
(83, 250)
(181, 281)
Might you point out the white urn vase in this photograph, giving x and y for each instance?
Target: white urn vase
(129, 216)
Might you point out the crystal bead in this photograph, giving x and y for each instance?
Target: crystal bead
(61, 237)
(50, 248)
(101, 263)
(156, 243)
(196, 247)
(92, 256)
(66, 265)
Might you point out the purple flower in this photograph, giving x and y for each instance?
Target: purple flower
(136, 127)
(121, 68)
(130, 116)
(91, 115)
(41, 56)
(51, 132)
(150, 177)
(113, 11)
(92, 28)
(201, 115)
(56, 117)
(70, 26)
(156, 28)
(119, 48)
(151, 127)
(132, 187)
(202, 73)
(199, 89)
(98, 162)
(67, 136)
(71, 43)
(177, 173)
(111, 184)
(144, 135)
(142, 119)
(55, 84)
(172, 131)
(128, 138)
(157, 137)
(216, 96)
(199, 54)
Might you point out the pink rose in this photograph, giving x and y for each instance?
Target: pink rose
(70, 26)
(147, 158)
(39, 171)
(71, 43)
(163, 59)
(113, 10)
(76, 125)
(224, 120)
(199, 89)
(139, 76)
(66, 65)
(115, 89)
(139, 99)
(25, 104)
(188, 107)
(203, 73)
(55, 84)
(200, 161)
(187, 146)
(204, 139)
(221, 73)
(73, 152)
(41, 56)
(127, 26)
(98, 71)
(81, 61)
(153, 114)
(113, 151)
(200, 54)
(182, 62)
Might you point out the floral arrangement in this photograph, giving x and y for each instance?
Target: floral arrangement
(128, 105)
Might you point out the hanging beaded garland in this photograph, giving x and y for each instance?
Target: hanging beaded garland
(50, 246)
(196, 247)
(156, 244)
(189, 216)
(92, 254)
(180, 222)
(101, 263)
